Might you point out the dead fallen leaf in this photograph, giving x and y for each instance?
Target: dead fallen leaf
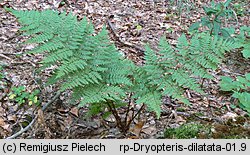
(179, 119)
(149, 130)
(74, 111)
(137, 128)
(40, 119)
(7, 127)
(12, 118)
(2, 123)
(229, 115)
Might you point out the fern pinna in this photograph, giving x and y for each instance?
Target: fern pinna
(93, 69)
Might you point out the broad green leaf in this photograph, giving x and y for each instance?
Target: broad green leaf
(244, 99)
(246, 53)
(35, 99)
(226, 83)
(242, 80)
(210, 11)
(248, 76)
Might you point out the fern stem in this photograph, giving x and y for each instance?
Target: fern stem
(119, 123)
(138, 112)
(128, 107)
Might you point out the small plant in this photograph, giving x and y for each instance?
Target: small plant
(244, 41)
(186, 131)
(239, 8)
(180, 6)
(21, 96)
(213, 18)
(240, 88)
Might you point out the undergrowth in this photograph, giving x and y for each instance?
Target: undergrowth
(240, 89)
(89, 65)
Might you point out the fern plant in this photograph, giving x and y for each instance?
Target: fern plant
(172, 70)
(213, 19)
(86, 63)
(240, 89)
(244, 41)
(98, 75)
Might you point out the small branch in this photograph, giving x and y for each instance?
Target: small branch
(141, 51)
(23, 130)
(4, 56)
(35, 118)
(5, 53)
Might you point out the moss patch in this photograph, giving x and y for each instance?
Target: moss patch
(232, 129)
(186, 131)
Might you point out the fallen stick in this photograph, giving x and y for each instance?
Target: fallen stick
(4, 56)
(141, 51)
(35, 118)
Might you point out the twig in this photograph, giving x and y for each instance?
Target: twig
(6, 53)
(141, 51)
(35, 118)
(23, 62)
(4, 56)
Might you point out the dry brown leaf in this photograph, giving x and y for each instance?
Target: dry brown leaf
(179, 119)
(137, 128)
(40, 118)
(74, 111)
(12, 118)
(229, 115)
(149, 130)
(7, 127)
(1, 111)
(2, 123)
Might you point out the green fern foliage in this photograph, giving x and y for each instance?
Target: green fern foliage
(172, 70)
(244, 41)
(240, 88)
(90, 66)
(87, 64)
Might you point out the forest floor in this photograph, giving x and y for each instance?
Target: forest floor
(135, 23)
